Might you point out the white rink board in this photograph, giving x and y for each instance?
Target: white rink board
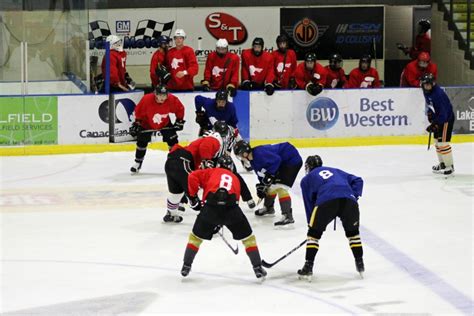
(361, 112)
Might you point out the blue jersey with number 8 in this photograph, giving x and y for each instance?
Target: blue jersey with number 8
(323, 184)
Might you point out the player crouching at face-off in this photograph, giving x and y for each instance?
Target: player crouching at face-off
(221, 207)
(329, 193)
(276, 167)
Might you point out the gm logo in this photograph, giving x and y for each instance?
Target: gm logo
(322, 113)
(123, 110)
(122, 26)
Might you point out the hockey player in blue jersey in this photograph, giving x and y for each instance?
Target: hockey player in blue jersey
(441, 117)
(208, 111)
(277, 167)
(329, 193)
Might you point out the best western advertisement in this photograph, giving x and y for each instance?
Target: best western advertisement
(29, 120)
(349, 31)
(141, 28)
(338, 113)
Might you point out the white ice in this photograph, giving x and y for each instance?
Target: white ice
(81, 236)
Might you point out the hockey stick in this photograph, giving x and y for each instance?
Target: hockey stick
(236, 250)
(157, 130)
(269, 265)
(429, 140)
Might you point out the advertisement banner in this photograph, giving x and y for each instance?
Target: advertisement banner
(349, 31)
(140, 29)
(462, 99)
(28, 120)
(125, 104)
(337, 113)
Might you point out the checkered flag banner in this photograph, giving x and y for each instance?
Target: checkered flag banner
(98, 30)
(152, 29)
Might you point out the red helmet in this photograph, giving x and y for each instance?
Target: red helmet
(424, 56)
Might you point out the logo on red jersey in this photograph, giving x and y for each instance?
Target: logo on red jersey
(223, 25)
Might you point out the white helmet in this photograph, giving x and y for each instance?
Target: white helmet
(179, 33)
(222, 43)
(116, 42)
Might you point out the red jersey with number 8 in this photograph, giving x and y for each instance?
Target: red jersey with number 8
(211, 180)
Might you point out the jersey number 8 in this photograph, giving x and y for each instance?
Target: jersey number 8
(226, 182)
(325, 174)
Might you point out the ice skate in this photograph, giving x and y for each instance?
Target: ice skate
(260, 272)
(285, 220)
(136, 167)
(439, 168)
(306, 273)
(265, 211)
(448, 171)
(185, 269)
(359, 262)
(168, 218)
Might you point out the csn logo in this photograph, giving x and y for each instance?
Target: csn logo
(223, 25)
(322, 113)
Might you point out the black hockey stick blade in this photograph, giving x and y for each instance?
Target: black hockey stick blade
(269, 265)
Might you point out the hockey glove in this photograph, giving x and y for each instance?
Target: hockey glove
(231, 90)
(268, 179)
(195, 203)
(292, 83)
(261, 190)
(201, 119)
(131, 84)
(432, 128)
(314, 89)
(135, 129)
(246, 85)
(163, 74)
(205, 86)
(179, 125)
(207, 163)
(269, 89)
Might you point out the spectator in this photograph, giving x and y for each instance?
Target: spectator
(336, 76)
(364, 76)
(222, 69)
(415, 69)
(422, 40)
(159, 75)
(182, 64)
(284, 60)
(120, 81)
(257, 68)
(311, 75)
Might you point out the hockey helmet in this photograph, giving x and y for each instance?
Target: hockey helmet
(427, 78)
(367, 59)
(242, 147)
(424, 25)
(180, 33)
(222, 43)
(221, 127)
(310, 57)
(163, 39)
(335, 61)
(282, 38)
(312, 162)
(221, 95)
(161, 90)
(225, 162)
(115, 42)
(258, 41)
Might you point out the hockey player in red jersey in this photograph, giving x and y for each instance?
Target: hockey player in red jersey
(257, 68)
(220, 208)
(311, 75)
(336, 76)
(183, 160)
(364, 76)
(182, 64)
(119, 78)
(153, 114)
(422, 40)
(159, 75)
(222, 69)
(284, 64)
(415, 69)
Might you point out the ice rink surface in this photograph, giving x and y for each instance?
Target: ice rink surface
(81, 236)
